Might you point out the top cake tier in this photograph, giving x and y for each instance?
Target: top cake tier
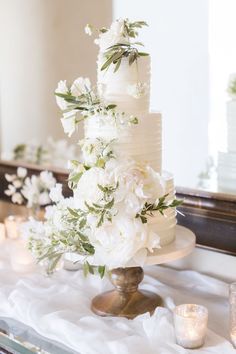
(128, 87)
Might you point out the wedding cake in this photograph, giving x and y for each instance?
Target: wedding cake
(227, 160)
(123, 205)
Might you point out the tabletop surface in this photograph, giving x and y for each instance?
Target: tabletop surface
(56, 310)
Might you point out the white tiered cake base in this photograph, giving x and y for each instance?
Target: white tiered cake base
(126, 300)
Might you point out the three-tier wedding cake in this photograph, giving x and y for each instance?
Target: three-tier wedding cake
(123, 204)
(227, 159)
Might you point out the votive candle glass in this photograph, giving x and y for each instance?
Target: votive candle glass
(232, 306)
(12, 225)
(190, 322)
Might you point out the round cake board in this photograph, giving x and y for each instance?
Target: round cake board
(126, 300)
(184, 244)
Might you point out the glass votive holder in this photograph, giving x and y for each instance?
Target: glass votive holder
(2, 232)
(232, 308)
(12, 224)
(190, 322)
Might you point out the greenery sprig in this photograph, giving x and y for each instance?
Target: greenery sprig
(160, 206)
(232, 87)
(115, 53)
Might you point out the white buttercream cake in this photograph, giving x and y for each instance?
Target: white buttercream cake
(129, 89)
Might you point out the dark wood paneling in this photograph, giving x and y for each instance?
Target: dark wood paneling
(211, 216)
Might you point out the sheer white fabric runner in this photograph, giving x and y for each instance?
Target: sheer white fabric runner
(59, 308)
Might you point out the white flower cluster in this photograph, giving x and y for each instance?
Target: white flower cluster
(115, 34)
(35, 189)
(137, 90)
(126, 238)
(80, 86)
(109, 199)
(96, 152)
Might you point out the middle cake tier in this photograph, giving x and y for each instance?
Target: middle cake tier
(141, 142)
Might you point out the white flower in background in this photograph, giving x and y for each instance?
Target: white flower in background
(137, 90)
(88, 29)
(47, 181)
(62, 88)
(17, 198)
(10, 191)
(10, 178)
(69, 122)
(56, 193)
(232, 86)
(114, 35)
(21, 172)
(17, 183)
(80, 86)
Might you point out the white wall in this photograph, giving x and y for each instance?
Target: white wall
(41, 42)
(177, 39)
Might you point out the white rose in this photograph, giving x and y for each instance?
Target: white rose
(80, 86)
(62, 88)
(69, 122)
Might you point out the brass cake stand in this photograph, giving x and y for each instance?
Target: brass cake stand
(126, 300)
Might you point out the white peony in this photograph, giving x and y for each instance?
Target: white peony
(114, 35)
(69, 122)
(87, 188)
(80, 86)
(62, 88)
(120, 242)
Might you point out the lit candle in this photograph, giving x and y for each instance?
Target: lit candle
(20, 257)
(232, 303)
(190, 325)
(12, 225)
(2, 232)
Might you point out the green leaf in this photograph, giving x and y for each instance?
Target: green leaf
(110, 204)
(111, 106)
(73, 212)
(101, 271)
(117, 65)
(142, 54)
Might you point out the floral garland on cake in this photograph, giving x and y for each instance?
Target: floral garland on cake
(106, 219)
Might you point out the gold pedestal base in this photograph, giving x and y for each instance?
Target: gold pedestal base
(126, 300)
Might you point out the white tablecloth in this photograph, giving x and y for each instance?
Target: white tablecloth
(58, 308)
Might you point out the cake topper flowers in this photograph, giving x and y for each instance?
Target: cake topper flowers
(117, 42)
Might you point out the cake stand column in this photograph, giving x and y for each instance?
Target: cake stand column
(126, 300)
